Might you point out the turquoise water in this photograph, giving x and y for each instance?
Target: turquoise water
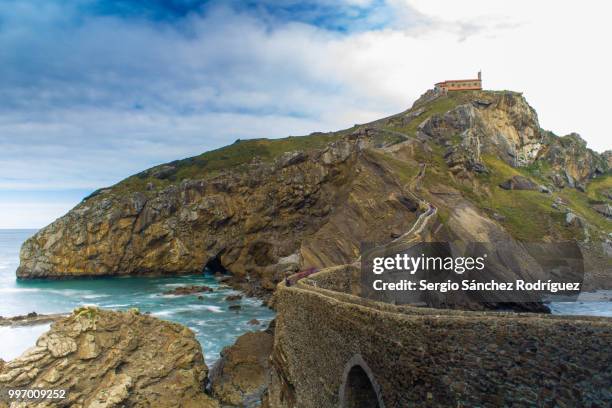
(210, 318)
(212, 321)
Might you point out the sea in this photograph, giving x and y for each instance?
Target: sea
(214, 324)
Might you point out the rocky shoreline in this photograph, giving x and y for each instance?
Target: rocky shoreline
(127, 358)
(31, 319)
(239, 377)
(103, 358)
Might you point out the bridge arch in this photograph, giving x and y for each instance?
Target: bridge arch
(359, 388)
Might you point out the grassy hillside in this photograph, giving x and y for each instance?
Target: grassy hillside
(234, 156)
(527, 215)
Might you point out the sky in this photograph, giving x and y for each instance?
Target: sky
(92, 91)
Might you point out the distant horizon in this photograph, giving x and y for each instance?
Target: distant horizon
(96, 91)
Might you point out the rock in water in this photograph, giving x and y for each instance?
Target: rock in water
(113, 359)
(189, 290)
(240, 377)
(233, 298)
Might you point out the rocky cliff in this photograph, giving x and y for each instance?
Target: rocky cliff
(111, 359)
(240, 377)
(266, 208)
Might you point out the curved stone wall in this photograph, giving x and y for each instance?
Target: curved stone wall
(429, 357)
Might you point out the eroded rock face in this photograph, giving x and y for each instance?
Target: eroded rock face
(263, 223)
(240, 377)
(109, 359)
(571, 161)
(503, 125)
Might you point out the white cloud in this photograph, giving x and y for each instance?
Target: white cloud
(86, 106)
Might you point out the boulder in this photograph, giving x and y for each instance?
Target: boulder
(113, 359)
(603, 209)
(290, 159)
(572, 220)
(557, 180)
(233, 298)
(240, 377)
(545, 190)
(519, 183)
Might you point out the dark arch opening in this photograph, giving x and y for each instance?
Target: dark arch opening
(215, 266)
(359, 391)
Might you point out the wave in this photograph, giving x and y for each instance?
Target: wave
(191, 308)
(19, 290)
(88, 294)
(70, 292)
(94, 296)
(170, 312)
(214, 309)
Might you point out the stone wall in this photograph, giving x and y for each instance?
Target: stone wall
(334, 349)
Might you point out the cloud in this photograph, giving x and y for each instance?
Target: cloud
(94, 91)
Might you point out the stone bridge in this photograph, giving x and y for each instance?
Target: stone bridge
(334, 348)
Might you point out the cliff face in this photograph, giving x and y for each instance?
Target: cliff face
(265, 219)
(266, 208)
(503, 125)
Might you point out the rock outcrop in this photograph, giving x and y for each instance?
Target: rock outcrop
(571, 162)
(189, 290)
(264, 209)
(240, 377)
(603, 209)
(31, 319)
(505, 126)
(519, 183)
(112, 359)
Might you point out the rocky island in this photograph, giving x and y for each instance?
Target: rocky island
(264, 209)
(472, 166)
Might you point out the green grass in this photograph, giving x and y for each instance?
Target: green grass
(239, 154)
(234, 156)
(597, 186)
(529, 214)
(581, 205)
(438, 106)
(404, 170)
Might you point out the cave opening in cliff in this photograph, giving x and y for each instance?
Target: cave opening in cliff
(215, 266)
(359, 391)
